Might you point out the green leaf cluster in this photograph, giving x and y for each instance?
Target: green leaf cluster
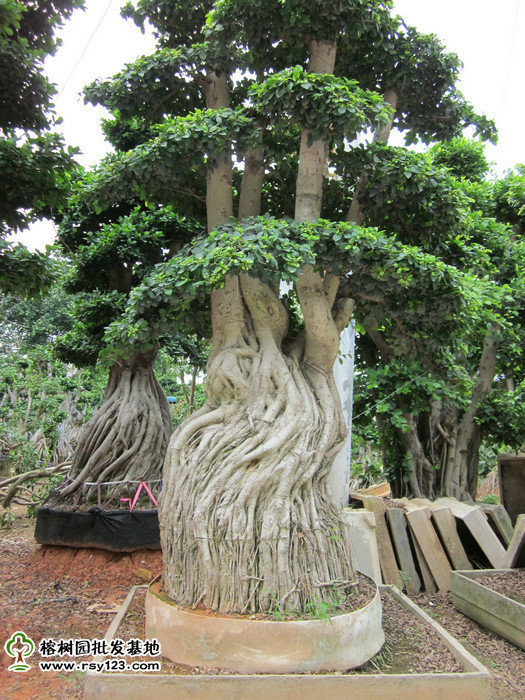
(501, 416)
(34, 162)
(150, 88)
(415, 286)
(327, 105)
(463, 157)
(26, 38)
(159, 167)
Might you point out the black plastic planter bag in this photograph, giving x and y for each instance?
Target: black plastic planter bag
(117, 531)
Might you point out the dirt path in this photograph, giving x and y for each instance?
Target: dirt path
(31, 575)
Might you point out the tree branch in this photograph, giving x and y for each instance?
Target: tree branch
(344, 309)
(331, 287)
(377, 338)
(382, 134)
(266, 309)
(227, 316)
(467, 426)
(322, 336)
(313, 156)
(252, 182)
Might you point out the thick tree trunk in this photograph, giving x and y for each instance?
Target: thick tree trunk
(219, 199)
(124, 441)
(247, 520)
(313, 154)
(468, 430)
(252, 181)
(246, 517)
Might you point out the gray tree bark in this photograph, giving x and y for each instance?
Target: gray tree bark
(247, 520)
(125, 440)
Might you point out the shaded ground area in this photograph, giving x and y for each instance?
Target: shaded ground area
(47, 592)
(505, 661)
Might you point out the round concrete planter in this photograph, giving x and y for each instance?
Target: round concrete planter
(260, 646)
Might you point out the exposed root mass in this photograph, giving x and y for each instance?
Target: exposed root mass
(247, 520)
(125, 440)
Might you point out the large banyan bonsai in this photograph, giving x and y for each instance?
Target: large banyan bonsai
(265, 95)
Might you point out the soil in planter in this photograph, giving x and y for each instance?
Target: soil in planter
(505, 662)
(410, 646)
(356, 598)
(508, 583)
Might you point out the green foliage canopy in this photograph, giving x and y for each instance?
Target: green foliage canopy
(33, 161)
(431, 269)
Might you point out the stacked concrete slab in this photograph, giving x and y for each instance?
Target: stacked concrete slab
(516, 552)
(416, 543)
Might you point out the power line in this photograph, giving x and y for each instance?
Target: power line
(384, 399)
(506, 82)
(102, 16)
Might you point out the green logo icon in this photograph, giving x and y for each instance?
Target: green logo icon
(18, 646)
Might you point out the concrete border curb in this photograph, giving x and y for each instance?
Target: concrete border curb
(473, 683)
(496, 611)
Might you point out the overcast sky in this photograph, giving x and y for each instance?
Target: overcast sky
(488, 36)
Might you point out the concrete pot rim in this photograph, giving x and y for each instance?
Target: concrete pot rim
(244, 645)
(294, 624)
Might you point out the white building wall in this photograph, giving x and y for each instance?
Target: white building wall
(339, 478)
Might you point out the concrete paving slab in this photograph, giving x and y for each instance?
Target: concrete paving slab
(365, 553)
(387, 558)
(476, 521)
(458, 508)
(426, 574)
(516, 552)
(511, 471)
(445, 523)
(500, 520)
(502, 614)
(398, 530)
(423, 531)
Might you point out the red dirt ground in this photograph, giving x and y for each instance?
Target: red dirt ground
(30, 575)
